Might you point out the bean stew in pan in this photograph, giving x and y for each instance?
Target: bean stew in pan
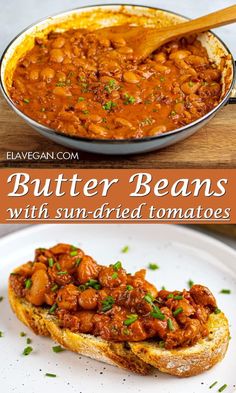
(82, 83)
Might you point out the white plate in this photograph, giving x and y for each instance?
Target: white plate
(182, 254)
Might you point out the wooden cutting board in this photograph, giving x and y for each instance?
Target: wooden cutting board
(214, 146)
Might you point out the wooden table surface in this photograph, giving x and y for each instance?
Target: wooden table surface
(214, 146)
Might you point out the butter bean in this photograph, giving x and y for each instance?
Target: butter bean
(131, 77)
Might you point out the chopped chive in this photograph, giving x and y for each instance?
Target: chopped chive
(27, 351)
(107, 303)
(190, 283)
(217, 311)
(153, 266)
(225, 291)
(170, 296)
(80, 99)
(93, 283)
(53, 309)
(22, 334)
(28, 341)
(148, 297)
(126, 331)
(78, 262)
(157, 314)
(54, 287)
(177, 311)
(61, 273)
(125, 249)
(130, 319)
(117, 266)
(178, 297)
(1, 298)
(73, 253)
(58, 266)
(114, 275)
(58, 349)
(129, 99)
(129, 287)
(82, 287)
(28, 283)
(222, 388)
(50, 262)
(161, 344)
(26, 100)
(50, 375)
(214, 384)
(170, 324)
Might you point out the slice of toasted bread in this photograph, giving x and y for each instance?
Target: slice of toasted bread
(182, 362)
(44, 324)
(188, 361)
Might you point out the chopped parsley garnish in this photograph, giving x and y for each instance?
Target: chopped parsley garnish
(26, 100)
(153, 266)
(93, 283)
(129, 99)
(129, 287)
(217, 311)
(190, 283)
(125, 249)
(107, 303)
(109, 105)
(177, 311)
(50, 262)
(114, 275)
(170, 324)
(80, 99)
(28, 283)
(50, 375)
(147, 121)
(222, 388)
(58, 349)
(130, 319)
(53, 309)
(117, 266)
(1, 298)
(110, 86)
(225, 291)
(74, 253)
(27, 351)
(213, 384)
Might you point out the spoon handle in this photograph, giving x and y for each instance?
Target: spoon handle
(207, 22)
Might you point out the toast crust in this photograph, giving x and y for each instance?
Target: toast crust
(189, 361)
(142, 356)
(44, 324)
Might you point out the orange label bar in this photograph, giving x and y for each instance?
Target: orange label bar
(104, 195)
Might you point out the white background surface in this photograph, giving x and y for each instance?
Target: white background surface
(181, 254)
(15, 15)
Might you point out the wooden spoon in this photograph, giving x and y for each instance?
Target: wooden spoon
(145, 40)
